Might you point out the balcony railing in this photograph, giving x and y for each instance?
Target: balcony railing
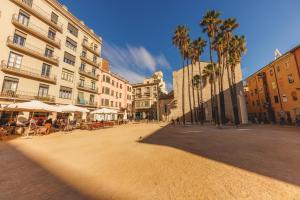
(88, 88)
(22, 95)
(35, 30)
(88, 74)
(32, 50)
(91, 48)
(83, 102)
(90, 60)
(27, 72)
(39, 13)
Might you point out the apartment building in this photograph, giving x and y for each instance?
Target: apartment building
(116, 92)
(146, 96)
(47, 54)
(273, 92)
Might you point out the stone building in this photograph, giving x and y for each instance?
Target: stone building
(178, 93)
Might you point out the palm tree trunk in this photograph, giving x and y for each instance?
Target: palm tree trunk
(183, 103)
(215, 102)
(193, 92)
(189, 93)
(201, 93)
(198, 107)
(231, 94)
(221, 93)
(235, 102)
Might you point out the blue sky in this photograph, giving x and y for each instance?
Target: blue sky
(137, 33)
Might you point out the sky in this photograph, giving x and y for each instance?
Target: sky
(137, 34)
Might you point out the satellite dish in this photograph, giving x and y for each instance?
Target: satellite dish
(277, 54)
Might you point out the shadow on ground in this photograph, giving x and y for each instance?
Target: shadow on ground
(22, 178)
(268, 152)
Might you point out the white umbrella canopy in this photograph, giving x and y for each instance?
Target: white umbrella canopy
(104, 111)
(31, 106)
(125, 115)
(71, 108)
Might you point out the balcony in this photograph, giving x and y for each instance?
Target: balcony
(87, 88)
(27, 72)
(90, 47)
(25, 96)
(32, 51)
(39, 13)
(36, 31)
(85, 103)
(88, 74)
(90, 61)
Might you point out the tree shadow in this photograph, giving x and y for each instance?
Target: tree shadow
(271, 153)
(22, 178)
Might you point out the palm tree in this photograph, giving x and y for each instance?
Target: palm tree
(227, 28)
(208, 76)
(191, 56)
(211, 25)
(196, 85)
(198, 46)
(237, 48)
(180, 40)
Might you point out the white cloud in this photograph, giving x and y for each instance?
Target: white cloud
(133, 63)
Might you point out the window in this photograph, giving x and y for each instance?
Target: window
(92, 98)
(111, 103)
(67, 75)
(112, 93)
(120, 105)
(82, 67)
(93, 85)
(117, 95)
(73, 30)
(107, 79)
(49, 52)
(284, 98)
(51, 34)
(291, 78)
(81, 82)
(113, 83)
(28, 2)
(147, 103)
(294, 95)
(107, 90)
(95, 47)
(54, 18)
(287, 65)
(94, 58)
(121, 86)
(117, 84)
(276, 99)
(43, 90)
(120, 95)
(116, 104)
(103, 78)
(9, 85)
(65, 92)
(15, 60)
(46, 70)
(71, 44)
(69, 59)
(23, 18)
(83, 53)
(271, 72)
(19, 38)
(85, 40)
(94, 71)
(80, 98)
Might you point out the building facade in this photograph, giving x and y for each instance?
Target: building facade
(47, 54)
(194, 91)
(273, 92)
(146, 97)
(116, 92)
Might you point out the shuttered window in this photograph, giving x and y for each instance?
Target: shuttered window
(73, 30)
(69, 58)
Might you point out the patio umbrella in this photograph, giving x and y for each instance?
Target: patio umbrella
(125, 115)
(104, 111)
(71, 108)
(31, 106)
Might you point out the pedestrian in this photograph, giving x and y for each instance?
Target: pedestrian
(178, 121)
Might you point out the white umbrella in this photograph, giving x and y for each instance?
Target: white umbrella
(104, 111)
(125, 115)
(31, 106)
(71, 108)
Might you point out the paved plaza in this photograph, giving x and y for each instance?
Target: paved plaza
(151, 161)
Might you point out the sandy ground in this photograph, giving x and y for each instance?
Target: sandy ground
(150, 161)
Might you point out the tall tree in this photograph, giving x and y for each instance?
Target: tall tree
(180, 40)
(208, 77)
(228, 26)
(211, 25)
(198, 46)
(237, 47)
